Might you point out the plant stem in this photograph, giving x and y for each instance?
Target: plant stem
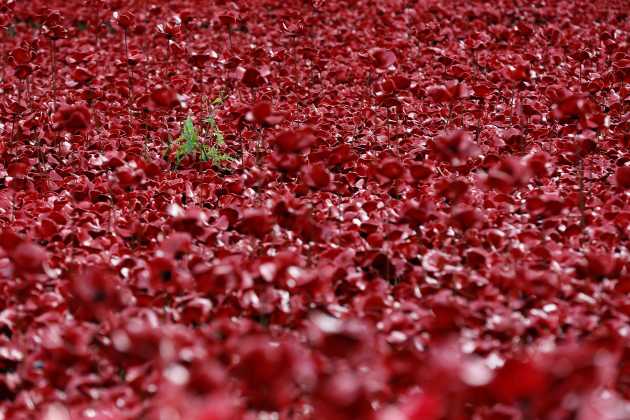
(243, 153)
(581, 197)
(111, 211)
(513, 102)
(298, 74)
(388, 127)
(53, 73)
(450, 114)
(621, 98)
(201, 86)
(97, 32)
(478, 129)
(28, 89)
(13, 207)
(259, 144)
(13, 127)
(129, 78)
(3, 67)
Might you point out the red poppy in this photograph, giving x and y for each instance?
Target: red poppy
(73, 117)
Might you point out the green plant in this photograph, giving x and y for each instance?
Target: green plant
(191, 144)
(216, 131)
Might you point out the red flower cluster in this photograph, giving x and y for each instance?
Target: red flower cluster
(424, 215)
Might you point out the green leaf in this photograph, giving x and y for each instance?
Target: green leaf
(189, 143)
(216, 131)
(189, 133)
(217, 101)
(218, 136)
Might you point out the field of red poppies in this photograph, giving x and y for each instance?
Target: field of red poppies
(332, 210)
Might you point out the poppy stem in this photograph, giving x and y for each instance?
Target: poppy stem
(243, 148)
(581, 196)
(97, 31)
(40, 152)
(111, 210)
(478, 129)
(53, 65)
(388, 127)
(526, 132)
(201, 86)
(513, 103)
(2, 72)
(13, 207)
(298, 74)
(623, 102)
(129, 77)
(13, 127)
(28, 89)
(450, 114)
(259, 144)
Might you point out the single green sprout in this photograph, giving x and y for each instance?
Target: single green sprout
(190, 144)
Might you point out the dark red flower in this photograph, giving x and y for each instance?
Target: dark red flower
(295, 140)
(518, 379)
(163, 274)
(507, 174)
(317, 176)
(257, 222)
(450, 92)
(383, 58)
(125, 19)
(96, 289)
(82, 75)
(465, 217)
(262, 113)
(20, 57)
(622, 176)
(199, 60)
(391, 168)
(517, 72)
(28, 258)
(280, 366)
(252, 78)
(164, 97)
(455, 147)
(55, 32)
(73, 118)
(24, 71)
(18, 169)
(227, 20)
